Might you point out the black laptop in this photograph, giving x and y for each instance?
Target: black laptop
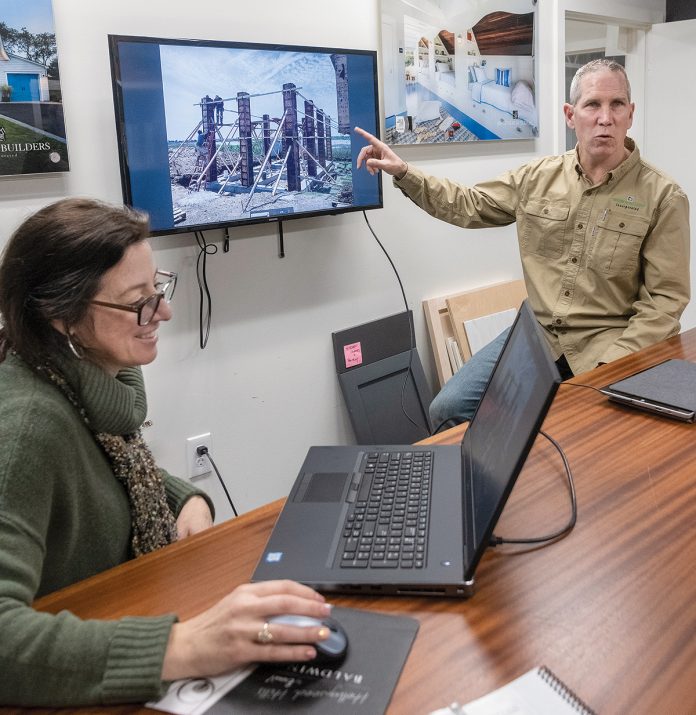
(415, 520)
(667, 389)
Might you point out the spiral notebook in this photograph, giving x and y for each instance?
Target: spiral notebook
(537, 692)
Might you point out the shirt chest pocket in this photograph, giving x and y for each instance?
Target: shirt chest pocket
(544, 228)
(616, 249)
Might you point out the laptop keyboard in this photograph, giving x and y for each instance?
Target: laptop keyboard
(387, 523)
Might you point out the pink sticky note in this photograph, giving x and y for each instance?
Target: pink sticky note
(353, 354)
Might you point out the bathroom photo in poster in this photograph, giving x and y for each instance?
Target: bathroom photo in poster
(458, 71)
(32, 129)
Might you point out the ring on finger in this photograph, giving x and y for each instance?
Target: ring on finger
(265, 635)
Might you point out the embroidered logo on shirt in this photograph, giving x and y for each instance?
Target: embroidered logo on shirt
(632, 203)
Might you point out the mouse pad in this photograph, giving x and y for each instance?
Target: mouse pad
(363, 683)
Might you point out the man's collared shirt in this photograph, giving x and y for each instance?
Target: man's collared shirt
(606, 265)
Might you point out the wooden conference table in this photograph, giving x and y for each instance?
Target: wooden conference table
(611, 609)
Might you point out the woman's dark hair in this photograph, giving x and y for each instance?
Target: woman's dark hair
(52, 268)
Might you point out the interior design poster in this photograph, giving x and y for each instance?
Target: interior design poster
(458, 70)
(32, 129)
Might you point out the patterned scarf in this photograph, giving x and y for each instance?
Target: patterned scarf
(152, 521)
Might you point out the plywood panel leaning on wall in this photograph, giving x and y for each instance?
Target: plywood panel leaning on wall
(445, 317)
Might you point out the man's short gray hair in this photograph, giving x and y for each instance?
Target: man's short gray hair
(596, 66)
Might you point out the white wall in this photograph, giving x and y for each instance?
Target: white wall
(670, 109)
(265, 386)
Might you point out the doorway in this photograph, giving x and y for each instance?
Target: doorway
(25, 87)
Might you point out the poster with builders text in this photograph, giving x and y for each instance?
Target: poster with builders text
(32, 129)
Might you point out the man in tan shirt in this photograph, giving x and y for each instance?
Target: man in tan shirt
(604, 237)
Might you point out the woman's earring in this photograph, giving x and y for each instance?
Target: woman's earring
(77, 353)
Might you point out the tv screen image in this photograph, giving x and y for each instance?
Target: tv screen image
(214, 134)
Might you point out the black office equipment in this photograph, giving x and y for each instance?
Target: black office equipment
(331, 651)
(382, 381)
(668, 389)
(334, 533)
(277, 145)
(362, 685)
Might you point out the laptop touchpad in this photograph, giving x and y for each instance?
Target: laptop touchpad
(321, 487)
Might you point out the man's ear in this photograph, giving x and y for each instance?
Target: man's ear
(569, 113)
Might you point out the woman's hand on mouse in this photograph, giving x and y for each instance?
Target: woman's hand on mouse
(231, 633)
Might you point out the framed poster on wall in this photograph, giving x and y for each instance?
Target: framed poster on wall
(32, 129)
(458, 71)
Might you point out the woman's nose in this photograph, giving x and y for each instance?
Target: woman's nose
(164, 311)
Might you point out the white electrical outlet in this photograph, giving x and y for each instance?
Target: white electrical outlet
(197, 464)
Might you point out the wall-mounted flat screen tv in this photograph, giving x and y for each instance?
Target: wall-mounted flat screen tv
(215, 134)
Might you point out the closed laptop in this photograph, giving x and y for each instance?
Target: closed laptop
(668, 389)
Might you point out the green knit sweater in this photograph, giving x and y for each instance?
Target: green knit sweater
(64, 517)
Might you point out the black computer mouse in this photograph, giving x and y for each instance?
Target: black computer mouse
(333, 649)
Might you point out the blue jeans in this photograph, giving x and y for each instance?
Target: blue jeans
(460, 395)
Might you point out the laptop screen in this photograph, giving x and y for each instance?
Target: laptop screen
(503, 429)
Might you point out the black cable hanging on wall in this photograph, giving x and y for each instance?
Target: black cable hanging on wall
(205, 308)
(412, 336)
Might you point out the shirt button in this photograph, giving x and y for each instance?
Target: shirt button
(573, 260)
(546, 211)
(622, 224)
(567, 292)
(579, 225)
(558, 321)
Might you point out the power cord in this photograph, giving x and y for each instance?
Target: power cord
(412, 332)
(561, 533)
(205, 310)
(203, 450)
(580, 384)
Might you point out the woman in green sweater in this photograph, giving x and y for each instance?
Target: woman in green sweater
(80, 305)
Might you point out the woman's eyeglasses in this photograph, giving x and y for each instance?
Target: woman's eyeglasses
(165, 283)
